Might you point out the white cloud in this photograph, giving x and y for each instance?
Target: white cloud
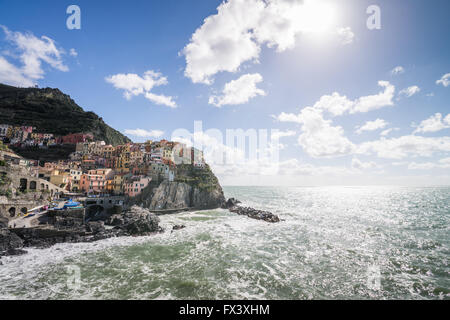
(135, 85)
(397, 70)
(31, 51)
(337, 105)
(73, 52)
(144, 133)
(346, 34)
(388, 131)
(319, 138)
(433, 124)
(240, 28)
(372, 126)
(161, 99)
(377, 101)
(410, 91)
(402, 147)
(358, 164)
(441, 164)
(10, 74)
(239, 91)
(445, 80)
(281, 134)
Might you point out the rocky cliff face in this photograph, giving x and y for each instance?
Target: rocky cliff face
(178, 195)
(51, 111)
(194, 188)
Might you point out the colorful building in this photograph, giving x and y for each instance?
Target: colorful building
(134, 186)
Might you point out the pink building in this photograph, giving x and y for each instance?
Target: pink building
(135, 185)
(95, 181)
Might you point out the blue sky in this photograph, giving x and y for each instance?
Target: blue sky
(272, 79)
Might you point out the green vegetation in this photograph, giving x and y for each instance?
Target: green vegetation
(51, 111)
(202, 178)
(7, 193)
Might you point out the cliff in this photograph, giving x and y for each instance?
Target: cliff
(196, 188)
(51, 111)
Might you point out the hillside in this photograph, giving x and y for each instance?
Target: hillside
(51, 111)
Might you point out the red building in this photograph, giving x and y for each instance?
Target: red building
(75, 138)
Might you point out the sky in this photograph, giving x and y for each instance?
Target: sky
(348, 92)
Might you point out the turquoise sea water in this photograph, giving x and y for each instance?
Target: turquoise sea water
(334, 243)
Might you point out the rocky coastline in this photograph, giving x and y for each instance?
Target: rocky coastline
(70, 227)
(232, 205)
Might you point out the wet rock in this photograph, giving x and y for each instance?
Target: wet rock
(15, 252)
(178, 227)
(139, 221)
(115, 220)
(232, 202)
(9, 241)
(232, 206)
(95, 227)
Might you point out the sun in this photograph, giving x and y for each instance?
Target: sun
(317, 17)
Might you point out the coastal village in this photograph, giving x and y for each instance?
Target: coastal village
(101, 190)
(99, 169)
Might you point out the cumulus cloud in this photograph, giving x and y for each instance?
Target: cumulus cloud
(319, 138)
(360, 165)
(215, 152)
(141, 133)
(337, 104)
(239, 91)
(10, 74)
(433, 124)
(377, 101)
(397, 70)
(240, 28)
(346, 34)
(445, 80)
(409, 92)
(372, 126)
(402, 147)
(135, 85)
(32, 52)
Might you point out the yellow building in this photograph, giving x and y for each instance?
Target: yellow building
(118, 184)
(60, 178)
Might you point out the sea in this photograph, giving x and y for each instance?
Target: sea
(332, 243)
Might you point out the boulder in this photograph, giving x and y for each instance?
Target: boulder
(178, 227)
(255, 214)
(9, 241)
(95, 227)
(232, 202)
(139, 221)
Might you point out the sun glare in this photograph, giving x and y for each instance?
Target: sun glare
(318, 17)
